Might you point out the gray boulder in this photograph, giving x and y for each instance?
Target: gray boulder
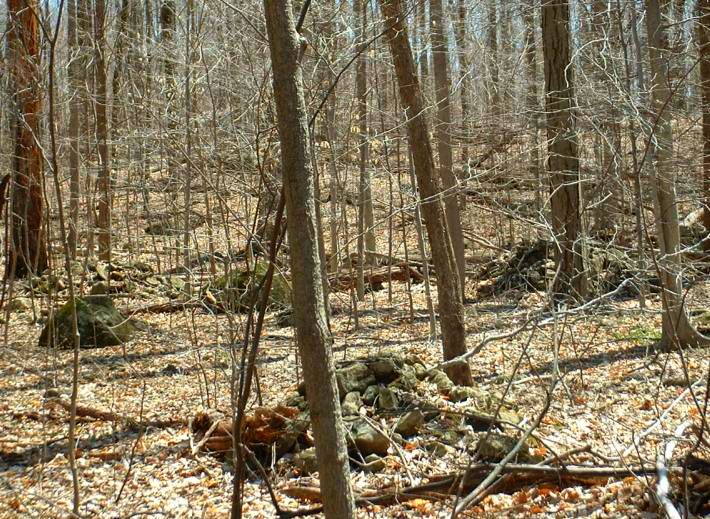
(99, 324)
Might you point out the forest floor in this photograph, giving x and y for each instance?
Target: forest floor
(615, 402)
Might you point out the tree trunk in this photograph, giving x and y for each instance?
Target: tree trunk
(314, 339)
(563, 162)
(103, 180)
(462, 44)
(531, 100)
(703, 34)
(74, 72)
(28, 249)
(451, 308)
(366, 217)
(677, 330)
(493, 58)
(442, 87)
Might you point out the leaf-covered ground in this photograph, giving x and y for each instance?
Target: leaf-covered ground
(617, 402)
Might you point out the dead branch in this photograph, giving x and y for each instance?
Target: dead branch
(521, 476)
(83, 411)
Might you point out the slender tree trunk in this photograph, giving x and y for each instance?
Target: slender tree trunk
(28, 248)
(531, 100)
(677, 330)
(493, 58)
(703, 35)
(75, 105)
(465, 88)
(103, 180)
(563, 162)
(451, 308)
(366, 217)
(442, 87)
(314, 339)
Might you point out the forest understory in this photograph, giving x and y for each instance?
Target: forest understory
(615, 401)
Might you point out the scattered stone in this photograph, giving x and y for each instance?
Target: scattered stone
(675, 378)
(388, 400)
(370, 394)
(351, 404)
(437, 449)
(410, 423)
(99, 323)
(367, 439)
(374, 463)
(385, 370)
(494, 447)
(461, 393)
(306, 461)
(356, 377)
(420, 371)
(99, 289)
(442, 381)
(407, 380)
(236, 290)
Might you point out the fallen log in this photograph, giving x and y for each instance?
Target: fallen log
(83, 411)
(375, 277)
(516, 477)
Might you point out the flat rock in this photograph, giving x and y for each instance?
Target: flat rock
(410, 423)
(367, 439)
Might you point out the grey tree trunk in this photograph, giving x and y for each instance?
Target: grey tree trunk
(563, 161)
(531, 100)
(703, 35)
(74, 72)
(442, 88)
(451, 308)
(462, 44)
(314, 339)
(366, 217)
(103, 182)
(677, 330)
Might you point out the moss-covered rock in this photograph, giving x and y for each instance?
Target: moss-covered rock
(236, 290)
(99, 324)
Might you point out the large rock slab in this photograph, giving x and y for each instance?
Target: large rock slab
(236, 290)
(99, 324)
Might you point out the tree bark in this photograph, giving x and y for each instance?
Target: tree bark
(532, 103)
(366, 217)
(677, 330)
(28, 249)
(451, 308)
(493, 63)
(314, 339)
(462, 44)
(74, 72)
(103, 180)
(703, 35)
(563, 161)
(442, 88)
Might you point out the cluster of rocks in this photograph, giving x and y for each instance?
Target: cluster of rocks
(388, 400)
(530, 267)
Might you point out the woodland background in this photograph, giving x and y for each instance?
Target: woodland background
(529, 190)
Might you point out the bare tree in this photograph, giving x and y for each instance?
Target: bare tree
(366, 218)
(442, 87)
(312, 334)
(677, 330)
(563, 161)
(28, 249)
(102, 132)
(451, 308)
(703, 35)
